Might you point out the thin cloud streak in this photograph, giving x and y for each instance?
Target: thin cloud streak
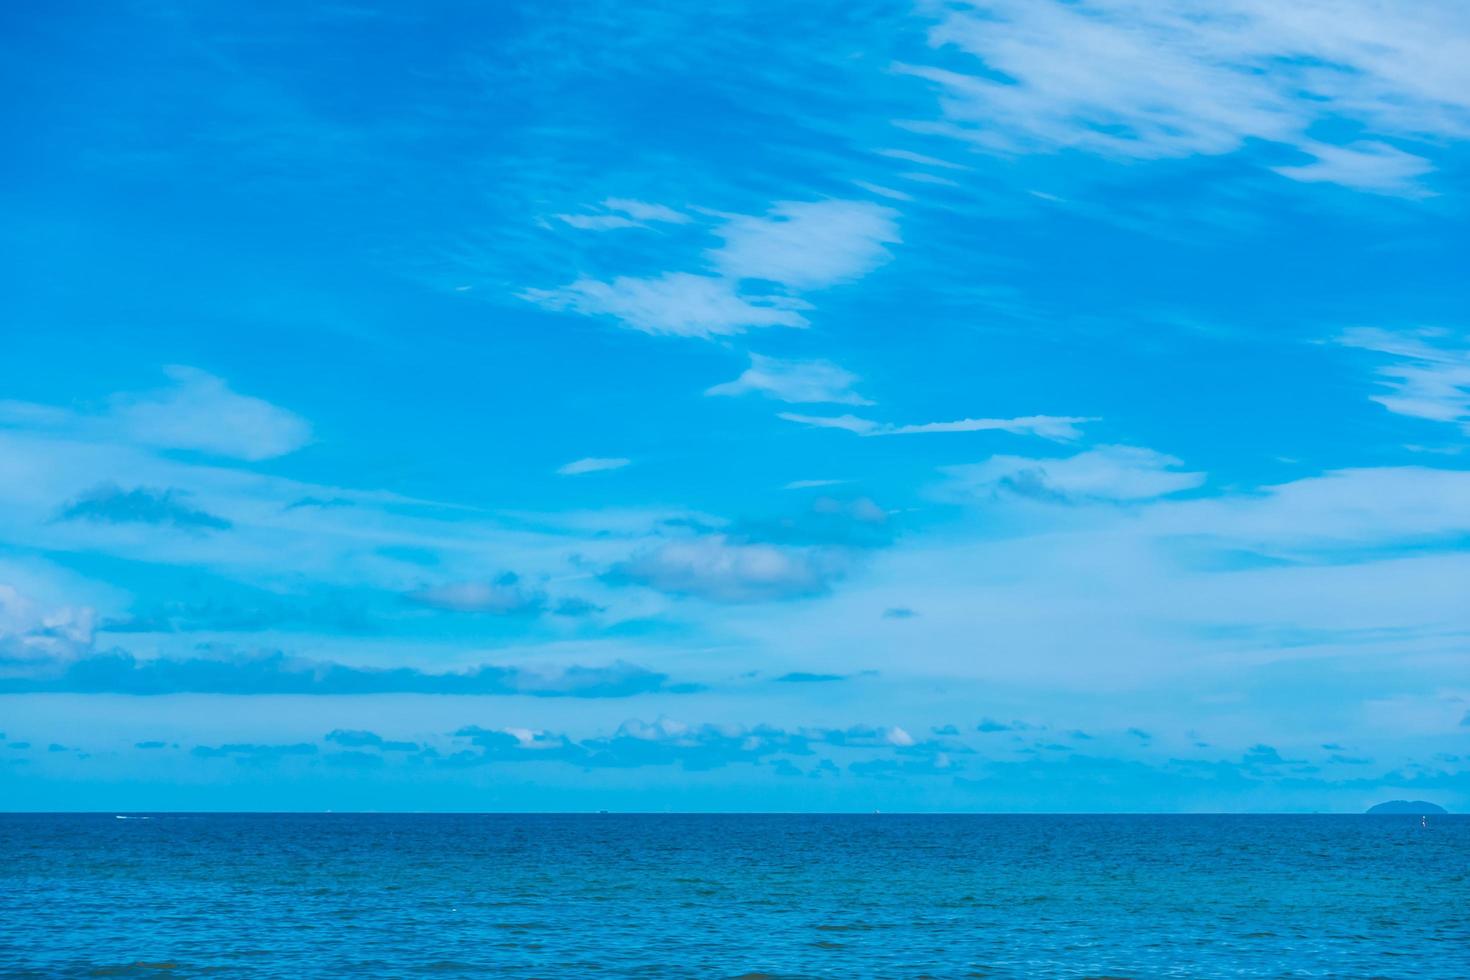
(1061, 428)
(593, 464)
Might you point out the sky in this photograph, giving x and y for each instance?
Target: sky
(1015, 406)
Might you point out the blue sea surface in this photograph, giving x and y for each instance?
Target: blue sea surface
(613, 895)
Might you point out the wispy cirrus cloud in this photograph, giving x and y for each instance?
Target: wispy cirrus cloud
(1106, 473)
(812, 484)
(1367, 165)
(617, 213)
(593, 464)
(679, 304)
(597, 222)
(1151, 81)
(759, 274)
(1061, 428)
(645, 210)
(807, 245)
(1407, 507)
(201, 412)
(794, 381)
(909, 156)
(1429, 376)
(198, 412)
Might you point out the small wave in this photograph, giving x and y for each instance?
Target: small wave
(134, 969)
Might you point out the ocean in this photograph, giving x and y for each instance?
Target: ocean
(625, 895)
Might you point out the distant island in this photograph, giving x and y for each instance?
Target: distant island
(1409, 807)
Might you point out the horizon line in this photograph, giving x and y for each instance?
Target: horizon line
(733, 813)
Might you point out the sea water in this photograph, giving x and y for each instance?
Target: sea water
(612, 895)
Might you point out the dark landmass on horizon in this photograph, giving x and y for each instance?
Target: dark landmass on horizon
(1407, 807)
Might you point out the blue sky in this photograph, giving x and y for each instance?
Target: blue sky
(995, 406)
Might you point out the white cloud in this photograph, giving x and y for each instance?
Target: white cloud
(794, 381)
(881, 191)
(31, 629)
(812, 484)
(622, 212)
(1430, 378)
(643, 211)
(1062, 428)
(501, 597)
(29, 415)
(847, 423)
(593, 464)
(897, 736)
(1368, 165)
(911, 157)
(1107, 473)
(919, 177)
(273, 539)
(1339, 509)
(660, 730)
(798, 246)
(202, 413)
(1232, 603)
(807, 244)
(1171, 79)
(1058, 427)
(676, 303)
(597, 222)
(198, 412)
(715, 567)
